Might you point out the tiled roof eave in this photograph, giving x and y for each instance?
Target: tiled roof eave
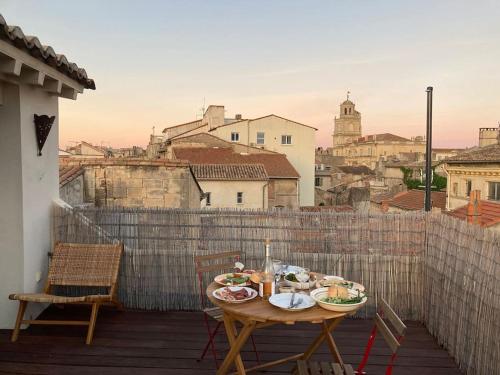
(31, 45)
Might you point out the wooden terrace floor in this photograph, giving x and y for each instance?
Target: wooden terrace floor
(144, 342)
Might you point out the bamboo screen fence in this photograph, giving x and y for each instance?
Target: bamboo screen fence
(401, 257)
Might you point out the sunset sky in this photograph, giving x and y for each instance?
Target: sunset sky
(156, 62)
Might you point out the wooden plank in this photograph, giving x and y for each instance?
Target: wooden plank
(389, 314)
(387, 334)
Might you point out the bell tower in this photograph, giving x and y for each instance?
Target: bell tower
(347, 127)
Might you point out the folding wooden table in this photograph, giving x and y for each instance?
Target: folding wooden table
(258, 313)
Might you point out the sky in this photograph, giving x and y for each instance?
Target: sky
(157, 63)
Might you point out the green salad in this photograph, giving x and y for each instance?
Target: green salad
(235, 279)
(344, 301)
(291, 277)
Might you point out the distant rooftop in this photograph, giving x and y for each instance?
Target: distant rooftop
(413, 200)
(276, 165)
(490, 213)
(230, 172)
(486, 154)
(15, 36)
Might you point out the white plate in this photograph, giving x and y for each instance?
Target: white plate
(219, 279)
(282, 301)
(319, 294)
(251, 294)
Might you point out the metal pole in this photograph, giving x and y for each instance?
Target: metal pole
(428, 151)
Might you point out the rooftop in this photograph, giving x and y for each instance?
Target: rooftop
(490, 213)
(230, 172)
(68, 173)
(276, 165)
(356, 169)
(383, 137)
(414, 200)
(486, 154)
(15, 36)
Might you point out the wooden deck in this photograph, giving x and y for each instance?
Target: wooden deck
(144, 342)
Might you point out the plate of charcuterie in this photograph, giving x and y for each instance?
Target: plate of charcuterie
(234, 294)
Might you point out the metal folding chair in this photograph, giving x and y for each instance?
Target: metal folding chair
(220, 262)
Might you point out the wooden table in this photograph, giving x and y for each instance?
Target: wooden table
(258, 313)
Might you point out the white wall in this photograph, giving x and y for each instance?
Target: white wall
(301, 153)
(29, 184)
(223, 193)
(11, 215)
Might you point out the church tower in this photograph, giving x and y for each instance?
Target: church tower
(347, 126)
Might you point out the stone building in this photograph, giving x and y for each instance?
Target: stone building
(349, 143)
(271, 132)
(283, 179)
(488, 136)
(138, 183)
(87, 150)
(474, 169)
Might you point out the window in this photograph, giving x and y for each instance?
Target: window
(345, 111)
(235, 137)
(468, 187)
(239, 197)
(317, 181)
(494, 191)
(208, 199)
(260, 138)
(286, 139)
(349, 110)
(455, 188)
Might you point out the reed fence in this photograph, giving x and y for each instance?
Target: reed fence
(429, 267)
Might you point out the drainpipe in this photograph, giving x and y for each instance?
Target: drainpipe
(264, 196)
(448, 187)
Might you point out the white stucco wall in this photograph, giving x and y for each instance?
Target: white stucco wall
(223, 194)
(29, 184)
(300, 153)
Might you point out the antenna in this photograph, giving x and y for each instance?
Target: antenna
(153, 131)
(202, 109)
(348, 92)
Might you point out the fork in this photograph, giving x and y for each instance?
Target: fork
(296, 304)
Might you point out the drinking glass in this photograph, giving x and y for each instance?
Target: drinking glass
(278, 267)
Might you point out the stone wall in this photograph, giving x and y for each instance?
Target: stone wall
(283, 192)
(141, 186)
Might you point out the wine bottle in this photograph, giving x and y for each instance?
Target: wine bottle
(266, 286)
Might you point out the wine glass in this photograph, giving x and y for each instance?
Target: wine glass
(278, 266)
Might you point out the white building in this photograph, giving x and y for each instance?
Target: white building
(274, 133)
(32, 79)
(233, 185)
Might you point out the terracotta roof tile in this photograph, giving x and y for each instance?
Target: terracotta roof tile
(30, 44)
(413, 200)
(340, 208)
(486, 154)
(230, 172)
(276, 165)
(68, 173)
(490, 213)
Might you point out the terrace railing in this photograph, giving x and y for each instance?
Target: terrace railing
(429, 267)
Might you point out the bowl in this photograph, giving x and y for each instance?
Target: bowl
(320, 293)
(298, 285)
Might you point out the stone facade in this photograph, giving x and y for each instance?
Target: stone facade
(140, 183)
(488, 136)
(368, 150)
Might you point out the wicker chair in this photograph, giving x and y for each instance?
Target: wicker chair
(81, 265)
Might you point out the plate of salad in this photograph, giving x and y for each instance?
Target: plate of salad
(233, 279)
(353, 301)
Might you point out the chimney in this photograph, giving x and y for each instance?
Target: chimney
(474, 207)
(237, 116)
(384, 206)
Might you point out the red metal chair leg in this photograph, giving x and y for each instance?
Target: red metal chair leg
(371, 340)
(210, 343)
